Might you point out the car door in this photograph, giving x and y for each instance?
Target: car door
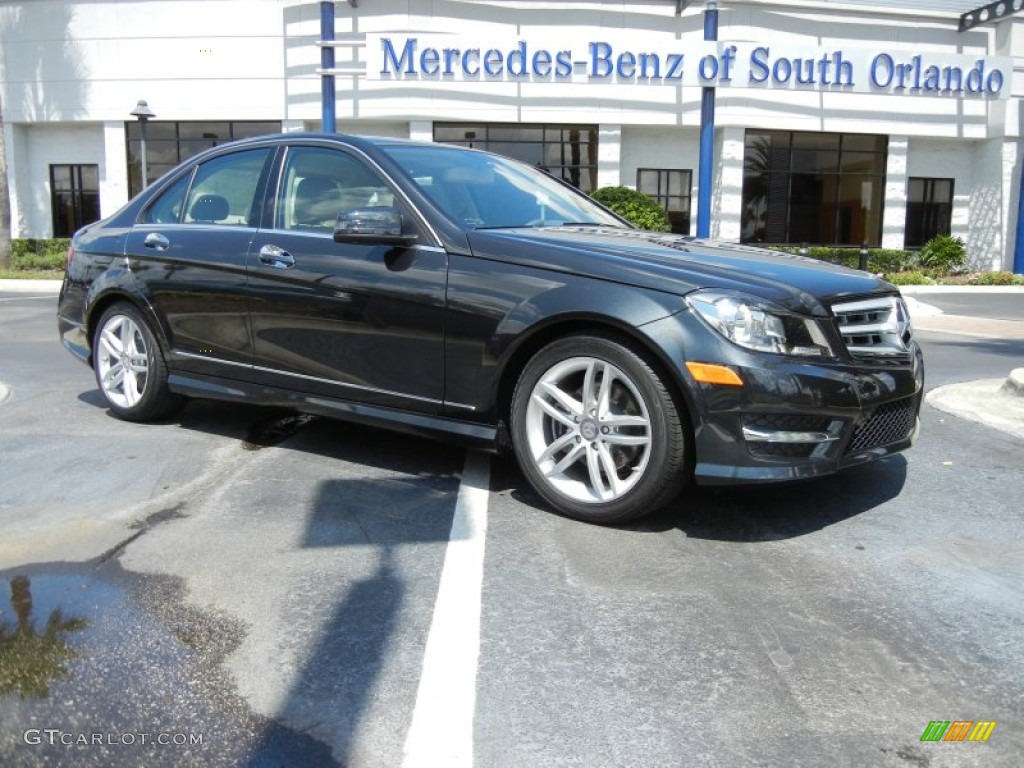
(188, 253)
(360, 322)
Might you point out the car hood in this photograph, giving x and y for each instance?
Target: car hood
(677, 264)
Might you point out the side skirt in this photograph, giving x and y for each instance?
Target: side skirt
(480, 436)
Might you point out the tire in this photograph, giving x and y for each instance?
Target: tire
(597, 433)
(130, 368)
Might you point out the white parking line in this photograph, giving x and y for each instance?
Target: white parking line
(441, 733)
(27, 298)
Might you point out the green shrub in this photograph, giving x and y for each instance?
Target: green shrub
(912, 277)
(996, 278)
(39, 253)
(635, 207)
(943, 255)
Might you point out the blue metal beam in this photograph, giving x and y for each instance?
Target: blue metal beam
(328, 119)
(1018, 252)
(705, 173)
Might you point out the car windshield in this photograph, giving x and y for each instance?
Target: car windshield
(484, 191)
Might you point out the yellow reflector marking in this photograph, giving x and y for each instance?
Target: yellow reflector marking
(714, 374)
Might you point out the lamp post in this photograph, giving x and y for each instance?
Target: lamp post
(143, 113)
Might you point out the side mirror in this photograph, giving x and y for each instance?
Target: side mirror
(371, 226)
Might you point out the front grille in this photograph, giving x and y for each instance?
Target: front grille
(874, 327)
(788, 435)
(781, 450)
(788, 422)
(885, 425)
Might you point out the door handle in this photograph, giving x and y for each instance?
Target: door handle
(276, 257)
(156, 241)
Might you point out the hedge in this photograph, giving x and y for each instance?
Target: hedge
(39, 253)
(884, 260)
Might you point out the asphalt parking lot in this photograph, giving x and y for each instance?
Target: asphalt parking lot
(304, 592)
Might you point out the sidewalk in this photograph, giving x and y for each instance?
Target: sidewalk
(30, 286)
(998, 403)
(929, 318)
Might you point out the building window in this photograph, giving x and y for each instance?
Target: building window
(671, 188)
(817, 188)
(568, 152)
(929, 210)
(74, 197)
(169, 143)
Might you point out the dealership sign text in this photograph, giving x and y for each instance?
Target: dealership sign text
(743, 65)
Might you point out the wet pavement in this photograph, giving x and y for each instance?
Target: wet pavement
(86, 649)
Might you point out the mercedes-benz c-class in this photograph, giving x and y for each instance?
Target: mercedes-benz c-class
(459, 294)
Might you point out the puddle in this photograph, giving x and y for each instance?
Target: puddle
(99, 666)
(275, 429)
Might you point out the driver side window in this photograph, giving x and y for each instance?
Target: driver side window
(318, 183)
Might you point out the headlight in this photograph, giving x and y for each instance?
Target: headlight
(760, 325)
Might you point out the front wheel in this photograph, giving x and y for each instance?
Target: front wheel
(597, 432)
(130, 368)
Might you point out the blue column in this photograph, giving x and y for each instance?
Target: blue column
(1018, 252)
(327, 99)
(705, 173)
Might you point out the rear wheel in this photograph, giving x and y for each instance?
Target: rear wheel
(596, 431)
(130, 368)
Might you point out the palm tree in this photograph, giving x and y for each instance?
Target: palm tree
(30, 660)
(5, 201)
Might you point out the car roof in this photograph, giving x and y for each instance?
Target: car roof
(343, 138)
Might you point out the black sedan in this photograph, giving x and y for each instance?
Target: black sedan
(460, 294)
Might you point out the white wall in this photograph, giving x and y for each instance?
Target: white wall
(936, 158)
(48, 145)
(728, 193)
(894, 214)
(989, 239)
(667, 148)
(113, 169)
(984, 193)
(658, 147)
(191, 59)
(609, 156)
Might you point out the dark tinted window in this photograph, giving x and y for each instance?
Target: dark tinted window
(929, 210)
(224, 189)
(317, 184)
(818, 188)
(166, 209)
(74, 197)
(671, 188)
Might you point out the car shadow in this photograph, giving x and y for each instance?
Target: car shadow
(752, 513)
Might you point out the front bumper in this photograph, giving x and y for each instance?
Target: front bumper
(795, 419)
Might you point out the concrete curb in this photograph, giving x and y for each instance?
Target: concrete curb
(1014, 384)
(989, 402)
(30, 286)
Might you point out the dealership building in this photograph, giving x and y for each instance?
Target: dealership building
(882, 122)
